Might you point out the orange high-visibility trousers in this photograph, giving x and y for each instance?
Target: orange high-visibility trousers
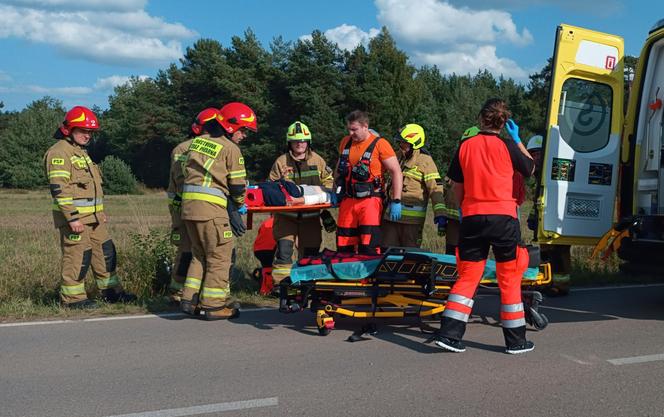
(358, 226)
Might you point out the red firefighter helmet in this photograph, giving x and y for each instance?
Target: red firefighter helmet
(235, 116)
(79, 116)
(203, 117)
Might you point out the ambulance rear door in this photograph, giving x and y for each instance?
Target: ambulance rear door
(580, 168)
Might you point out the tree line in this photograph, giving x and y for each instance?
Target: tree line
(311, 80)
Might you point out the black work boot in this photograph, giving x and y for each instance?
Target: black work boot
(111, 296)
(83, 305)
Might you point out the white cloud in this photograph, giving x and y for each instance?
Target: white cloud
(113, 81)
(433, 21)
(347, 36)
(471, 61)
(119, 34)
(101, 85)
(455, 38)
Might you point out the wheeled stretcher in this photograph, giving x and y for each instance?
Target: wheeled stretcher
(400, 283)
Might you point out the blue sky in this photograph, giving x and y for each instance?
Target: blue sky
(78, 50)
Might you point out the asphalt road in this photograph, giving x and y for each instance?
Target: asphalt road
(602, 355)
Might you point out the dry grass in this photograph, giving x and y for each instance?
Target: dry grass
(139, 225)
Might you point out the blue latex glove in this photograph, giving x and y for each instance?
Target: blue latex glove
(441, 221)
(243, 209)
(334, 199)
(513, 130)
(395, 211)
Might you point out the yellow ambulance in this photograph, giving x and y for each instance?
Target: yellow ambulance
(603, 168)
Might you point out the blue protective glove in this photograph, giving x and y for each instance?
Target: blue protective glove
(243, 209)
(395, 211)
(513, 130)
(334, 198)
(441, 221)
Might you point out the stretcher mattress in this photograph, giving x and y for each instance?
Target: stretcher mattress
(358, 270)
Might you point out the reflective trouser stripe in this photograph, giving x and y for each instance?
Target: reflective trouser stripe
(460, 299)
(78, 289)
(510, 324)
(214, 292)
(193, 283)
(512, 315)
(104, 283)
(511, 308)
(439, 206)
(456, 315)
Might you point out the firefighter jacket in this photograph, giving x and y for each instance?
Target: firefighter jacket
(312, 170)
(214, 172)
(176, 181)
(75, 183)
(421, 182)
(451, 209)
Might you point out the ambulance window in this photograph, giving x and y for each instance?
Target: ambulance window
(585, 114)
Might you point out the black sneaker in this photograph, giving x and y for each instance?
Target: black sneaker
(527, 346)
(83, 305)
(450, 344)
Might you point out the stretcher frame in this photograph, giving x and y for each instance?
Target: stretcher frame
(409, 295)
(282, 209)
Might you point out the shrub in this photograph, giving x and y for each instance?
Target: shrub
(118, 178)
(146, 264)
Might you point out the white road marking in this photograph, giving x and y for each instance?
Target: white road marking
(576, 360)
(206, 409)
(113, 318)
(637, 359)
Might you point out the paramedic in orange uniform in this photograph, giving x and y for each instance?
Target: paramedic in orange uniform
(482, 170)
(364, 158)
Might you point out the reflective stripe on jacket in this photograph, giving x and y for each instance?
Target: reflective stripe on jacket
(421, 183)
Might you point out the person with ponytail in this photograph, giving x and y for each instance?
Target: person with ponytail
(482, 170)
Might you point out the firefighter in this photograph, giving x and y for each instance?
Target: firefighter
(78, 212)
(301, 165)
(179, 236)
(559, 256)
(421, 182)
(214, 188)
(482, 170)
(363, 158)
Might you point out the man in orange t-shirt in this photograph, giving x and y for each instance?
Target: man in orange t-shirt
(364, 158)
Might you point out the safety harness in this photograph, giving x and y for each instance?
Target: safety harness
(356, 181)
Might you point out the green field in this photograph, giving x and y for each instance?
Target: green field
(139, 225)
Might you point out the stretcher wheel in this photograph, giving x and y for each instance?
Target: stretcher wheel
(324, 323)
(536, 319)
